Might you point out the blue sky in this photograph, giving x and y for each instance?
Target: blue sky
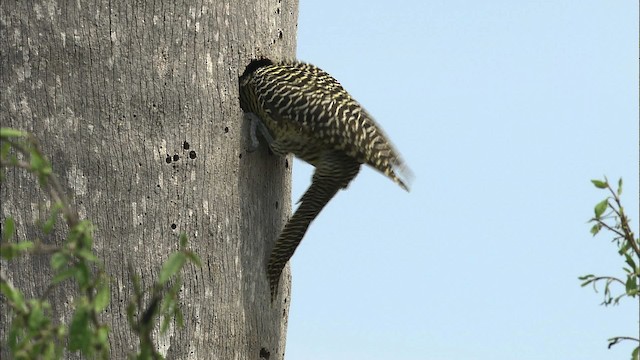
(504, 110)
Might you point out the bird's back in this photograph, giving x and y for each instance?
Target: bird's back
(307, 111)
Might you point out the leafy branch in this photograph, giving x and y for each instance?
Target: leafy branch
(164, 300)
(32, 333)
(73, 260)
(609, 215)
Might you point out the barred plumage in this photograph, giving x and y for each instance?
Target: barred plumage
(302, 110)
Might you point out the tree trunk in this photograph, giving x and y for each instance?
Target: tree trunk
(136, 105)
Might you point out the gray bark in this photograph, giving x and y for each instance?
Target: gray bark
(114, 90)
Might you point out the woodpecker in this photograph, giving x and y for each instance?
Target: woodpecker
(299, 109)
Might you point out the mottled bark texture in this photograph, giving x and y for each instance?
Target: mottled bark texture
(136, 104)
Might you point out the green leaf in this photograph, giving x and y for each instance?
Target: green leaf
(50, 351)
(58, 260)
(624, 248)
(601, 207)
(9, 229)
(40, 166)
(168, 308)
(10, 251)
(619, 187)
(36, 316)
(23, 246)
(86, 254)
(15, 297)
(87, 233)
(14, 334)
(635, 355)
(171, 267)
(8, 132)
(63, 275)
(81, 234)
(183, 241)
(79, 332)
(586, 280)
(81, 273)
(595, 229)
(102, 336)
(38, 163)
(102, 298)
(631, 286)
(600, 184)
(193, 258)
(629, 260)
(51, 221)
(4, 150)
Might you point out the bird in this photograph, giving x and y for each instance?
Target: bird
(300, 109)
